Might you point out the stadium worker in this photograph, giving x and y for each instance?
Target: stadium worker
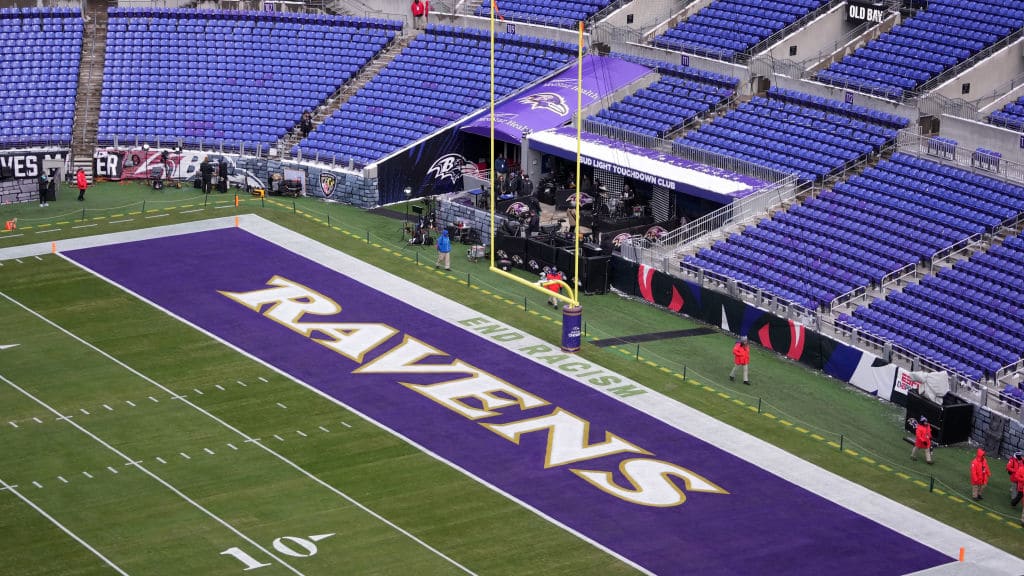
(44, 185)
(444, 251)
(82, 182)
(1015, 463)
(741, 357)
(206, 174)
(549, 279)
(923, 440)
(1018, 480)
(418, 11)
(980, 473)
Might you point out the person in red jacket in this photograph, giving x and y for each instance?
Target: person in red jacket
(82, 184)
(923, 439)
(418, 11)
(741, 357)
(1016, 461)
(549, 279)
(1018, 480)
(980, 473)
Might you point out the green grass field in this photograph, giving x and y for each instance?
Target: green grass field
(222, 512)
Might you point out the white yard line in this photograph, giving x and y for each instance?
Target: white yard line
(240, 433)
(97, 553)
(146, 471)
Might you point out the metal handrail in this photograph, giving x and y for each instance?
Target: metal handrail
(607, 10)
(918, 145)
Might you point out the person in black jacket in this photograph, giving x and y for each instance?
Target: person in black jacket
(44, 186)
(222, 177)
(206, 174)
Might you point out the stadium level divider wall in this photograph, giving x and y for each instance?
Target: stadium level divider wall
(791, 339)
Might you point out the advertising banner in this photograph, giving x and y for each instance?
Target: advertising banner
(434, 166)
(139, 164)
(553, 103)
(26, 165)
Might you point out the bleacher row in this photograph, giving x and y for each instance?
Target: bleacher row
(557, 13)
(1010, 116)
(40, 51)
(440, 77)
(193, 76)
(790, 137)
(725, 28)
(938, 37)
(663, 107)
(968, 317)
(898, 213)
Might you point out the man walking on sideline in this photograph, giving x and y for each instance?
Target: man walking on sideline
(444, 251)
(1012, 465)
(82, 182)
(980, 473)
(741, 357)
(923, 440)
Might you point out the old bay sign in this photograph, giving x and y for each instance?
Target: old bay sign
(865, 12)
(479, 396)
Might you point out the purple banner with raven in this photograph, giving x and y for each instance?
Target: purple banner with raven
(553, 102)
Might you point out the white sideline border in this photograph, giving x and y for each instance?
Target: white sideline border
(889, 513)
(4, 486)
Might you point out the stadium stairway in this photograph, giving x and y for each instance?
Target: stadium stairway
(335, 101)
(90, 85)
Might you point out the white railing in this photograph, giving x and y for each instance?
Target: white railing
(979, 162)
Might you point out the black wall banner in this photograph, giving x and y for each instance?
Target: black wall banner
(779, 334)
(24, 165)
(533, 256)
(433, 166)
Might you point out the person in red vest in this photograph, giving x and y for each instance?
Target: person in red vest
(923, 439)
(1018, 480)
(550, 280)
(741, 357)
(980, 473)
(418, 10)
(1016, 461)
(82, 182)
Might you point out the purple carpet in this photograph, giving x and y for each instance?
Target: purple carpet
(763, 525)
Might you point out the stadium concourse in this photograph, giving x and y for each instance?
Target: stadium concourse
(725, 480)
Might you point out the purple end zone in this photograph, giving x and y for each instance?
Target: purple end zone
(764, 525)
